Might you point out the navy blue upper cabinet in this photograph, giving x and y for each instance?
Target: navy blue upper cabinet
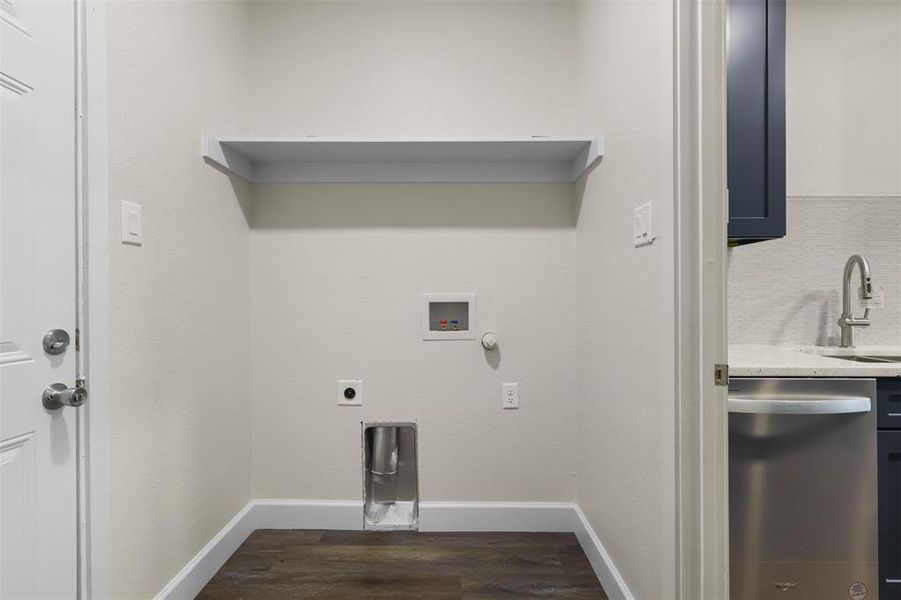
(755, 118)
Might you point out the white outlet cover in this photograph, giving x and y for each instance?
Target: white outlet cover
(643, 225)
(356, 385)
(132, 227)
(510, 395)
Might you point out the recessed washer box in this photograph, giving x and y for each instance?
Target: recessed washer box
(448, 316)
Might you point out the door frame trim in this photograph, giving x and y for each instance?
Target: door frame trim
(93, 424)
(701, 216)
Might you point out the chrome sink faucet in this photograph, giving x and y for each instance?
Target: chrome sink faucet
(847, 322)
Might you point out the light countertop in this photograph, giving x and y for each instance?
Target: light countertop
(761, 360)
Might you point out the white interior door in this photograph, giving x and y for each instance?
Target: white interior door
(38, 461)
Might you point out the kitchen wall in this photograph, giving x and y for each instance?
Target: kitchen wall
(179, 317)
(843, 87)
(843, 84)
(625, 301)
(337, 269)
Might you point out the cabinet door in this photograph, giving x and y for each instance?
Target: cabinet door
(756, 120)
(889, 449)
(888, 403)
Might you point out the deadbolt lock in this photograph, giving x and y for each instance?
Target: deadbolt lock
(56, 341)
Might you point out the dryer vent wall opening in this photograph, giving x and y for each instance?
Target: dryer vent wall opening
(390, 477)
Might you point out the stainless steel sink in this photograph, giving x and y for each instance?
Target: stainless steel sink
(865, 358)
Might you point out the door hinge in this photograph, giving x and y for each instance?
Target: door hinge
(721, 374)
(728, 206)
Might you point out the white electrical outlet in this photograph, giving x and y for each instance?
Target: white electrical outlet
(350, 392)
(510, 395)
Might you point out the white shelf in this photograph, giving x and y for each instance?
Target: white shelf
(348, 160)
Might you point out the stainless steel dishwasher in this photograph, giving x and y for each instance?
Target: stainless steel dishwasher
(802, 489)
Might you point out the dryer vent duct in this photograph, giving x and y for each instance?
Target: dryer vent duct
(390, 481)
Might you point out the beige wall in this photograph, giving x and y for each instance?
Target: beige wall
(843, 136)
(412, 68)
(843, 98)
(336, 275)
(337, 269)
(625, 344)
(179, 441)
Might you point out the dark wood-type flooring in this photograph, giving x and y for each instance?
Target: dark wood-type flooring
(405, 565)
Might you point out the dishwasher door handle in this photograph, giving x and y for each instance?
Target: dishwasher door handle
(799, 405)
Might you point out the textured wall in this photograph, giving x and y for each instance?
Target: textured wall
(179, 435)
(336, 277)
(843, 72)
(625, 296)
(337, 269)
(411, 68)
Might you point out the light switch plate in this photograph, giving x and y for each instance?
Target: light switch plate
(643, 225)
(132, 228)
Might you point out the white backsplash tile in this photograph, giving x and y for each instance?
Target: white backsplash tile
(788, 291)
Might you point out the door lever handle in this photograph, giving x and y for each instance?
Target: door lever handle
(59, 395)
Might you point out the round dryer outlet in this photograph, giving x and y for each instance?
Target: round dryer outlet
(350, 392)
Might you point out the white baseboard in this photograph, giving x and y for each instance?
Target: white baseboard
(200, 569)
(603, 566)
(308, 514)
(434, 516)
(495, 516)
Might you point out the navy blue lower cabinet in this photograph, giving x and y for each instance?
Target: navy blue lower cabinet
(755, 120)
(888, 448)
(889, 451)
(888, 403)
